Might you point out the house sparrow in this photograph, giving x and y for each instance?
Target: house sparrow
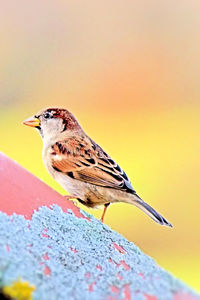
(81, 166)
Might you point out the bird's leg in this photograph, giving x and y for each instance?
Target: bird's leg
(104, 211)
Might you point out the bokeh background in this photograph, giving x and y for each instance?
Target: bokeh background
(130, 72)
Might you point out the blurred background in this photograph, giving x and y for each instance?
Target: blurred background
(129, 71)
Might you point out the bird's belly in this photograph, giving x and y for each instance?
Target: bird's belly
(89, 194)
(72, 186)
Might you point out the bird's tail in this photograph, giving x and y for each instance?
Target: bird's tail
(137, 201)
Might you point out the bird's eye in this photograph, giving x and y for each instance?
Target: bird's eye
(48, 115)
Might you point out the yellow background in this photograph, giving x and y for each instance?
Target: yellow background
(130, 72)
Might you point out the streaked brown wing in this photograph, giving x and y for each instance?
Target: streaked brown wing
(84, 160)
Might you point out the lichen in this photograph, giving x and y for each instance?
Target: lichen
(19, 290)
(66, 257)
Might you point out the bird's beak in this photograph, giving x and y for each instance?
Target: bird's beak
(33, 122)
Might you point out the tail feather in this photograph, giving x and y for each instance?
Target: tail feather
(150, 211)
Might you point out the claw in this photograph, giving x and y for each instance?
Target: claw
(68, 197)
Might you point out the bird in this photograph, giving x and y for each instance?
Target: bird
(81, 166)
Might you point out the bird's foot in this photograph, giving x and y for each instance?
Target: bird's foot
(70, 197)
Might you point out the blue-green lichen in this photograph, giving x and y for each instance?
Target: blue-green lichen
(66, 257)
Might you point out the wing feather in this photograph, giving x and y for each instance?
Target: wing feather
(88, 163)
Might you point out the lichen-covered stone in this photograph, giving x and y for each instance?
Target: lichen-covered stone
(66, 257)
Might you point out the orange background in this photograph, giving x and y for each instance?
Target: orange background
(129, 71)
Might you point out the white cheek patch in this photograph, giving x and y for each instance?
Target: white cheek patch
(51, 128)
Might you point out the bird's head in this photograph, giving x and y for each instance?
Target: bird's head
(51, 122)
